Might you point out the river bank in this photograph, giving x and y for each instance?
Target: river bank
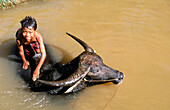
(6, 4)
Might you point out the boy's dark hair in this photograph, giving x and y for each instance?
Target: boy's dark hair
(28, 21)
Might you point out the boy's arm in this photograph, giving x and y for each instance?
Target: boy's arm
(42, 59)
(21, 52)
(43, 51)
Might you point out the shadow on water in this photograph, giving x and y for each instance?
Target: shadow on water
(7, 48)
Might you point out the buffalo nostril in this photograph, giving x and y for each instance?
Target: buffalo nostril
(121, 75)
(120, 78)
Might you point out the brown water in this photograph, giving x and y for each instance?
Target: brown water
(130, 35)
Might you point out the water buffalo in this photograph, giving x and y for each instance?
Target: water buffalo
(86, 69)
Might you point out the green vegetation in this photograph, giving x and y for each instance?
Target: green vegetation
(9, 3)
(5, 4)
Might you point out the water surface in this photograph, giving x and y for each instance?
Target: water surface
(130, 35)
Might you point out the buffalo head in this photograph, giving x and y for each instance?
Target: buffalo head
(88, 68)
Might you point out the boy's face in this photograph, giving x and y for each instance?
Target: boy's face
(28, 33)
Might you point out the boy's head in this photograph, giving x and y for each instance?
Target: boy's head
(29, 22)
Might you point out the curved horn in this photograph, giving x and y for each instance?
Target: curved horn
(66, 82)
(85, 46)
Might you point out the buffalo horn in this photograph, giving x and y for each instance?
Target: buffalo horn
(85, 46)
(66, 82)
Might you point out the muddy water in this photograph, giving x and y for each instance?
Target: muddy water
(130, 35)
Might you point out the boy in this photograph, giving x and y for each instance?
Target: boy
(30, 45)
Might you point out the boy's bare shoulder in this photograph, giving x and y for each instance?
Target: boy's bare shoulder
(38, 35)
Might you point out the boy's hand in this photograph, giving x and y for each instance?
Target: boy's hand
(25, 65)
(36, 74)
